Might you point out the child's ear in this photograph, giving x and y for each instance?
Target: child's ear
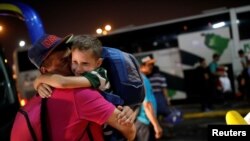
(99, 62)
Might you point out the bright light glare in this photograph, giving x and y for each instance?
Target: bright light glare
(107, 27)
(218, 25)
(99, 31)
(5, 61)
(23, 102)
(1, 28)
(105, 32)
(21, 43)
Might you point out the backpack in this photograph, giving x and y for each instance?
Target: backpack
(124, 76)
(28, 122)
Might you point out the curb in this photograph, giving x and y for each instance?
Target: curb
(213, 114)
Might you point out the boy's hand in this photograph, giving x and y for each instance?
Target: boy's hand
(44, 90)
(36, 83)
(40, 79)
(127, 116)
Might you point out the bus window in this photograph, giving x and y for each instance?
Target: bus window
(243, 24)
(25, 64)
(244, 28)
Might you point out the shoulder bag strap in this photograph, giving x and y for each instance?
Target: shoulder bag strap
(45, 136)
(32, 132)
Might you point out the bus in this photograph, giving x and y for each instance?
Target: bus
(178, 44)
(9, 103)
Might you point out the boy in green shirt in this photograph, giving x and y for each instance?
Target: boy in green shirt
(86, 61)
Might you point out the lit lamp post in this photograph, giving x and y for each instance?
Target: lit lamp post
(107, 27)
(104, 31)
(1, 28)
(99, 31)
(22, 43)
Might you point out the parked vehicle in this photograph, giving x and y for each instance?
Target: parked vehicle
(9, 103)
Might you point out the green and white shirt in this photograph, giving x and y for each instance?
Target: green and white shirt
(98, 79)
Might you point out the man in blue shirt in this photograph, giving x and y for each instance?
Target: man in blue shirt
(147, 113)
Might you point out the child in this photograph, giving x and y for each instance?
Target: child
(86, 62)
(224, 84)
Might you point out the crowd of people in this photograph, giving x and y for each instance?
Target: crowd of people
(214, 84)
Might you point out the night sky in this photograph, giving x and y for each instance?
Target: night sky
(62, 17)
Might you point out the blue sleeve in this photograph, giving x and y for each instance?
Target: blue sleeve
(148, 90)
(212, 67)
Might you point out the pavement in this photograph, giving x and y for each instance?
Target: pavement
(194, 124)
(193, 110)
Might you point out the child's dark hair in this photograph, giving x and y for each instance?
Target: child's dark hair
(86, 42)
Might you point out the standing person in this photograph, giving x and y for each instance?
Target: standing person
(224, 87)
(203, 85)
(243, 58)
(240, 78)
(85, 63)
(246, 81)
(69, 111)
(159, 85)
(148, 110)
(213, 66)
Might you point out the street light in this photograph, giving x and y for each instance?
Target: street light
(1, 28)
(99, 31)
(107, 27)
(104, 31)
(22, 43)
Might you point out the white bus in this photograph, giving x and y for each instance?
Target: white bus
(178, 44)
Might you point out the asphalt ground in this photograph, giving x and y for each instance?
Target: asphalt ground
(194, 124)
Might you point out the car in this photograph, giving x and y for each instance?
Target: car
(9, 103)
